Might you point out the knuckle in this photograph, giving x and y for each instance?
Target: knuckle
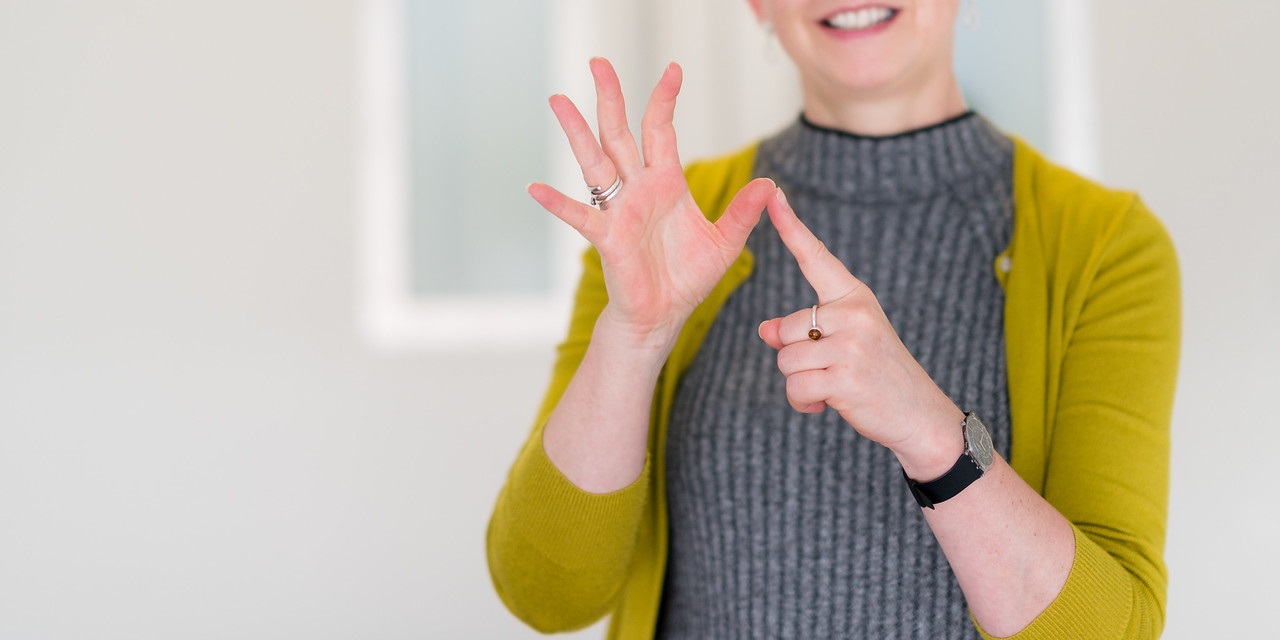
(869, 314)
(795, 402)
(784, 362)
(818, 250)
(800, 393)
(797, 387)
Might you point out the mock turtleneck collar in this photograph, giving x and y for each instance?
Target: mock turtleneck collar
(831, 163)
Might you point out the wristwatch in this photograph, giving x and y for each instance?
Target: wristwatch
(973, 463)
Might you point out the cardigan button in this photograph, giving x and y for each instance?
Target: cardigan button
(1006, 264)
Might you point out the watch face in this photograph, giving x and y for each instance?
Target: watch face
(980, 449)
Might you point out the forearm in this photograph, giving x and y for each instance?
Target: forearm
(597, 436)
(1010, 550)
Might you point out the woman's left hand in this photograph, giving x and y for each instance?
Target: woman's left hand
(859, 366)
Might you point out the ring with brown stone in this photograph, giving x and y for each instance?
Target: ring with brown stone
(814, 332)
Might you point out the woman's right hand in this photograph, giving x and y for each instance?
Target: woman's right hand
(661, 256)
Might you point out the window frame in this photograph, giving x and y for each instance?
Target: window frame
(394, 320)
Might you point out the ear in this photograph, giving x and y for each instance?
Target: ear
(757, 9)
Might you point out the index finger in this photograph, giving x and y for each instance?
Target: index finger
(825, 273)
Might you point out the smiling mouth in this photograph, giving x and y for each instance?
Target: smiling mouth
(860, 19)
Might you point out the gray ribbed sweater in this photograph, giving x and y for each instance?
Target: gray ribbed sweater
(786, 525)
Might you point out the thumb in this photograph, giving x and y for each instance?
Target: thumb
(771, 332)
(744, 212)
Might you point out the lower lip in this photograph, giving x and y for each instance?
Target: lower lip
(860, 33)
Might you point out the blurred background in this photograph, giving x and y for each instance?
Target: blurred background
(242, 394)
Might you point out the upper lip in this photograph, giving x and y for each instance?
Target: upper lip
(857, 7)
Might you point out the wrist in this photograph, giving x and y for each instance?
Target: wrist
(935, 448)
(649, 343)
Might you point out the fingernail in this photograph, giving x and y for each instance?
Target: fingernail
(782, 197)
(760, 330)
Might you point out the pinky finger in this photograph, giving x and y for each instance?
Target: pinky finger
(570, 211)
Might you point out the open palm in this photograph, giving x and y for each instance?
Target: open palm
(660, 254)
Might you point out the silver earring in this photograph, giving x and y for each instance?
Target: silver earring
(971, 18)
(770, 50)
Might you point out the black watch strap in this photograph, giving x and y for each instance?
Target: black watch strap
(962, 474)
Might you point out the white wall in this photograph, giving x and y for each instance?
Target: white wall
(194, 443)
(1189, 106)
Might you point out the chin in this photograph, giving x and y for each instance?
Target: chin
(873, 48)
(862, 78)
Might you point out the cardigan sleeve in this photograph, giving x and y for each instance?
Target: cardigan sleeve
(558, 555)
(1107, 466)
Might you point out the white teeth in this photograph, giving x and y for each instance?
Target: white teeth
(860, 19)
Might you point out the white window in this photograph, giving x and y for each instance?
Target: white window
(454, 124)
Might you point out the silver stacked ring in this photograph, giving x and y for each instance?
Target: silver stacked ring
(601, 195)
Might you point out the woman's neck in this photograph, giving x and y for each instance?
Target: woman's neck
(883, 113)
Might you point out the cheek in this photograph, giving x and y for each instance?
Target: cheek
(793, 39)
(944, 9)
(772, 11)
(934, 29)
(936, 19)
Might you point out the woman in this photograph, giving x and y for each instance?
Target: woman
(698, 473)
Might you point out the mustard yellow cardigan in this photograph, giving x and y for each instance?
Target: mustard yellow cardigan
(1092, 325)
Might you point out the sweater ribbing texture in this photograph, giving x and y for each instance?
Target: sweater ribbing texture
(786, 525)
